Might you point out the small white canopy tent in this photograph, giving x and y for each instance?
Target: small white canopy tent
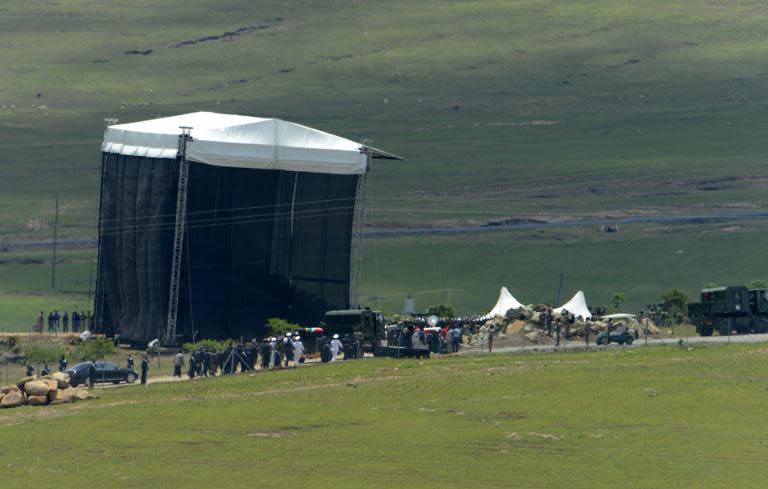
(242, 142)
(505, 303)
(576, 306)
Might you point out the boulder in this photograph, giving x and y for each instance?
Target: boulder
(1, 396)
(526, 313)
(68, 395)
(9, 388)
(25, 380)
(513, 314)
(62, 379)
(36, 388)
(652, 328)
(81, 394)
(534, 336)
(52, 384)
(514, 327)
(12, 400)
(37, 400)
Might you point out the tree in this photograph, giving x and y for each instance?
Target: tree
(441, 311)
(675, 303)
(618, 299)
(757, 284)
(278, 326)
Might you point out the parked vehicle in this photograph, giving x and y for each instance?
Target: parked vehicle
(621, 336)
(105, 372)
(728, 309)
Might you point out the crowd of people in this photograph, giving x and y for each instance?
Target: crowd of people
(275, 352)
(58, 323)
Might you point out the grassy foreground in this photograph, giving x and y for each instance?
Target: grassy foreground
(656, 417)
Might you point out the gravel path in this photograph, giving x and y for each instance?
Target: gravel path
(669, 340)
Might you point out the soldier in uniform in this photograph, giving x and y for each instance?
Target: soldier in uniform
(65, 323)
(30, 370)
(129, 361)
(178, 361)
(548, 321)
(39, 323)
(275, 353)
(45, 370)
(266, 354)
(206, 362)
(144, 369)
(325, 351)
(346, 343)
(92, 374)
(566, 327)
(63, 363)
(557, 331)
(75, 322)
(587, 331)
(192, 367)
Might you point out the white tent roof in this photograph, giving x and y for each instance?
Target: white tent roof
(242, 142)
(505, 303)
(576, 306)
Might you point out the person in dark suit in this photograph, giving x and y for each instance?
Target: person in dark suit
(92, 374)
(144, 369)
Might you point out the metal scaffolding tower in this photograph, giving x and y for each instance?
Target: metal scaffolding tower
(178, 236)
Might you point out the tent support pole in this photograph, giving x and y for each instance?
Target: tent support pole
(98, 296)
(290, 241)
(358, 229)
(178, 236)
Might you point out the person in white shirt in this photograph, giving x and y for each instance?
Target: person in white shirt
(335, 347)
(298, 350)
(273, 349)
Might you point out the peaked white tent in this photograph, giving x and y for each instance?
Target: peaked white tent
(576, 306)
(505, 303)
(242, 142)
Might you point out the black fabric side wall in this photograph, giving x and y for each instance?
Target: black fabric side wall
(138, 212)
(247, 256)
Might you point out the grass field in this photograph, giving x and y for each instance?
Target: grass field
(643, 418)
(642, 260)
(501, 108)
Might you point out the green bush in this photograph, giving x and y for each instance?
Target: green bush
(442, 311)
(278, 326)
(50, 354)
(209, 344)
(96, 348)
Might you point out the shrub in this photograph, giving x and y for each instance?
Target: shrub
(278, 326)
(97, 348)
(38, 354)
(209, 344)
(441, 311)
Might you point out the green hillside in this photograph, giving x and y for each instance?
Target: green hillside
(502, 109)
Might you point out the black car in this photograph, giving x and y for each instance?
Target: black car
(105, 372)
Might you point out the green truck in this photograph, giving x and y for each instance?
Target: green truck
(729, 309)
(363, 324)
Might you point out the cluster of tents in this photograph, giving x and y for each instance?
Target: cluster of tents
(576, 306)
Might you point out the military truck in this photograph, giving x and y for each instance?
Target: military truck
(363, 324)
(728, 309)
